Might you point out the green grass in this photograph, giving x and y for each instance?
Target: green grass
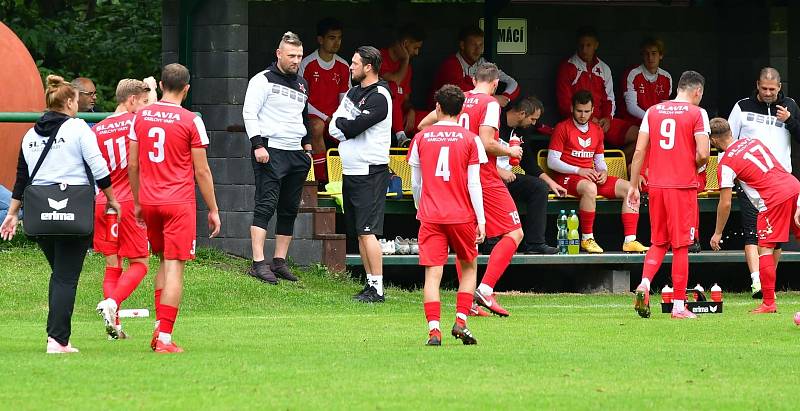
(308, 346)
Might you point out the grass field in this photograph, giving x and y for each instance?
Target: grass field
(308, 346)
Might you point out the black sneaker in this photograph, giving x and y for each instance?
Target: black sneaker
(360, 293)
(464, 334)
(695, 247)
(260, 270)
(281, 269)
(370, 295)
(541, 249)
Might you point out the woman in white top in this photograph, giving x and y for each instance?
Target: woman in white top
(75, 144)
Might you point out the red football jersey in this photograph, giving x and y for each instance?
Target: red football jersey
(481, 109)
(760, 174)
(577, 148)
(166, 134)
(399, 90)
(327, 80)
(112, 138)
(671, 126)
(649, 89)
(443, 152)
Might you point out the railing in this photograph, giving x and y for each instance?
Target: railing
(31, 117)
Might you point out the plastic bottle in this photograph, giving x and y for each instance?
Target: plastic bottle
(574, 246)
(667, 294)
(716, 293)
(563, 241)
(698, 289)
(514, 141)
(112, 226)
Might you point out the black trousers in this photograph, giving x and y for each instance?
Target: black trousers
(279, 184)
(532, 191)
(749, 215)
(65, 256)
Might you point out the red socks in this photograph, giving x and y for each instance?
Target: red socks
(320, 166)
(463, 304)
(128, 282)
(433, 311)
(110, 280)
(499, 259)
(680, 271)
(629, 223)
(586, 221)
(653, 260)
(766, 270)
(166, 318)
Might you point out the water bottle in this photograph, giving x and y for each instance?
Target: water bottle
(698, 292)
(667, 294)
(514, 141)
(573, 236)
(716, 293)
(112, 226)
(563, 240)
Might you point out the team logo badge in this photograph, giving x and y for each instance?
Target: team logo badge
(585, 142)
(301, 87)
(57, 205)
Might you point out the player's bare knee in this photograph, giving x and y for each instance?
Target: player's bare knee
(587, 188)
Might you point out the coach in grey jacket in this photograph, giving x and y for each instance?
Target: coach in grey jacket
(774, 119)
(275, 116)
(363, 124)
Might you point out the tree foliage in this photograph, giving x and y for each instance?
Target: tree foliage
(104, 40)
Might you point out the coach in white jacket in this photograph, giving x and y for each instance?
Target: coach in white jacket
(363, 124)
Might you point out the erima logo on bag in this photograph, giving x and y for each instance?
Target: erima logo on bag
(585, 142)
(55, 215)
(713, 308)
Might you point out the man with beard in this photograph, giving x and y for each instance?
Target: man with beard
(275, 116)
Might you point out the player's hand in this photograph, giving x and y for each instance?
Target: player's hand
(588, 173)
(515, 152)
(481, 234)
(642, 182)
(782, 114)
(9, 227)
(602, 177)
(403, 53)
(214, 223)
(262, 155)
(502, 100)
(506, 176)
(716, 240)
(114, 205)
(605, 123)
(633, 198)
(558, 190)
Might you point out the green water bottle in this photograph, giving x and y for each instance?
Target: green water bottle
(574, 246)
(563, 240)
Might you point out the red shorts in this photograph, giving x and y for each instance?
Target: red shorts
(501, 213)
(570, 182)
(616, 132)
(172, 230)
(774, 224)
(330, 141)
(131, 237)
(435, 238)
(673, 216)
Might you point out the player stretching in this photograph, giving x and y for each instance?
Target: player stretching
(445, 163)
(131, 242)
(773, 192)
(576, 158)
(675, 135)
(167, 153)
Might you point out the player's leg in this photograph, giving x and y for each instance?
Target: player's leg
(502, 219)
(680, 278)
(267, 184)
(158, 289)
(532, 191)
(749, 216)
(767, 275)
(318, 150)
(433, 256)
(461, 238)
(630, 217)
(660, 239)
(587, 193)
(288, 204)
(681, 209)
(369, 209)
(629, 147)
(170, 302)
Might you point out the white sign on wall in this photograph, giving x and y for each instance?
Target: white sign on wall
(512, 35)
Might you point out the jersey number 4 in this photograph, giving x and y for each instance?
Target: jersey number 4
(443, 164)
(157, 153)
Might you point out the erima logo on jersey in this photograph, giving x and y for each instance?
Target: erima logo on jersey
(57, 205)
(585, 142)
(582, 154)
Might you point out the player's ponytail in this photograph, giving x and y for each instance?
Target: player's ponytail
(57, 92)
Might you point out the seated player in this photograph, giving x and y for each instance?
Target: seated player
(459, 68)
(772, 190)
(131, 237)
(396, 70)
(585, 71)
(576, 158)
(445, 162)
(328, 78)
(645, 84)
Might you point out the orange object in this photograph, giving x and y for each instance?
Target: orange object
(22, 90)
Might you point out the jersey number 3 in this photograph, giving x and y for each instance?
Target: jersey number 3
(157, 154)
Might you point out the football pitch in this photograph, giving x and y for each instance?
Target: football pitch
(308, 346)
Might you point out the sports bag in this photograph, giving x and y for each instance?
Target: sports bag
(58, 209)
